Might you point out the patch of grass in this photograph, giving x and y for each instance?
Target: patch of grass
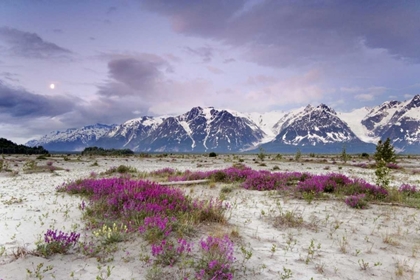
(288, 219)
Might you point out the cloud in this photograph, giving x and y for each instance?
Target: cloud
(10, 76)
(299, 89)
(142, 83)
(364, 94)
(139, 75)
(205, 53)
(214, 70)
(284, 33)
(204, 18)
(229, 60)
(17, 102)
(111, 10)
(260, 80)
(272, 94)
(30, 45)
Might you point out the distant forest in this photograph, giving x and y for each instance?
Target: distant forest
(8, 147)
(106, 152)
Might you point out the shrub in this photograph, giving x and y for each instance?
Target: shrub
(364, 155)
(144, 204)
(356, 201)
(163, 172)
(212, 154)
(261, 155)
(57, 242)
(216, 258)
(408, 189)
(168, 253)
(219, 176)
(298, 155)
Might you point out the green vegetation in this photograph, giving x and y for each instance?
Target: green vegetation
(106, 152)
(385, 152)
(8, 147)
(344, 155)
(212, 154)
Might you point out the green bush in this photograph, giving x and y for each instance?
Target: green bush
(212, 154)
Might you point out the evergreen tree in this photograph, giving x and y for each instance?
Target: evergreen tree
(344, 155)
(385, 152)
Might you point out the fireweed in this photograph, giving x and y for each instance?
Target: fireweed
(57, 242)
(216, 258)
(168, 253)
(291, 181)
(409, 190)
(132, 201)
(356, 201)
(158, 212)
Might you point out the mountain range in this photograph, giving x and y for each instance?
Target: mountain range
(317, 129)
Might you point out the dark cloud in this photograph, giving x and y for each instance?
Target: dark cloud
(281, 33)
(18, 102)
(205, 53)
(134, 75)
(229, 60)
(10, 76)
(30, 45)
(111, 10)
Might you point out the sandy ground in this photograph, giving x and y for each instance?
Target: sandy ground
(333, 241)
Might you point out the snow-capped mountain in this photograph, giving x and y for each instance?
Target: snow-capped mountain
(314, 127)
(204, 129)
(377, 121)
(311, 129)
(129, 134)
(73, 139)
(404, 126)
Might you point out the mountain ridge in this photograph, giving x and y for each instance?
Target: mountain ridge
(203, 129)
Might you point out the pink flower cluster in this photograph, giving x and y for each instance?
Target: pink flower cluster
(217, 258)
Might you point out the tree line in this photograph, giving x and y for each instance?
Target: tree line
(106, 152)
(8, 147)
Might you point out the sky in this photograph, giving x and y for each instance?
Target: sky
(111, 61)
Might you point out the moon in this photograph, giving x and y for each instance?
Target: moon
(52, 86)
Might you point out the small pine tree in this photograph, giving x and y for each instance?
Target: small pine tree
(383, 178)
(385, 152)
(261, 155)
(298, 155)
(344, 155)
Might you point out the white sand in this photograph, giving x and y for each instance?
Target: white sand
(382, 242)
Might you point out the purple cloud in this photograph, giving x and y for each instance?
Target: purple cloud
(30, 45)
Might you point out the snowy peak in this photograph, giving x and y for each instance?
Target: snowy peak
(324, 108)
(74, 138)
(378, 118)
(314, 125)
(130, 133)
(203, 129)
(414, 103)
